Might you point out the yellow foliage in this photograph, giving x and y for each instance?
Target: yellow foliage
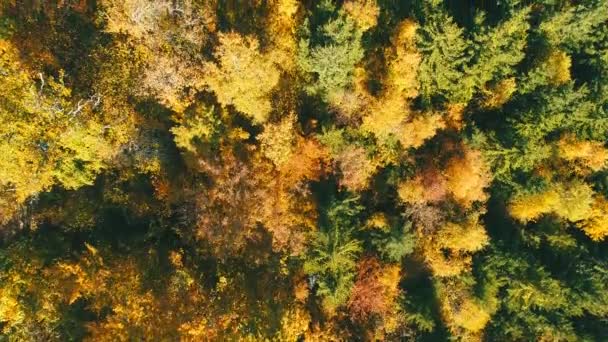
(471, 316)
(325, 333)
(201, 126)
(363, 12)
(467, 177)
(420, 128)
(461, 311)
(281, 29)
(169, 70)
(442, 265)
(386, 117)
(195, 330)
(557, 66)
(378, 221)
(278, 140)
(575, 201)
(390, 114)
(585, 155)
(530, 207)
(448, 250)
(167, 77)
(53, 139)
(469, 236)
(294, 325)
(571, 201)
(596, 225)
(500, 93)
(412, 191)
(243, 76)
(404, 60)
(135, 17)
(11, 312)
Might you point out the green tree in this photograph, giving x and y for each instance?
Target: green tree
(333, 253)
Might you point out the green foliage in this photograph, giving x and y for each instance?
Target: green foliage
(303, 171)
(455, 67)
(201, 125)
(446, 54)
(575, 27)
(331, 64)
(333, 253)
(395, 243)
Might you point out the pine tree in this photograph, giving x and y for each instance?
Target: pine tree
(332, 64)
(446, 54)
(333, 253)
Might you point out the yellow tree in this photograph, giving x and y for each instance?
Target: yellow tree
(243, 76)
(463, 314)
(572, 201)
(596, 225)
(390, 115)
(467, 177)
(448, 251)
(281, 29)
(172, 71)
(583, 156)
(277, 140)
(48, 137)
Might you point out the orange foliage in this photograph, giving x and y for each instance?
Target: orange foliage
(375, 290)
(228, 210)
(427, 187)
(356, 167)
(306, 162)
(467, 176)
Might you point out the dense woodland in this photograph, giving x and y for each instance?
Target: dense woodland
(283, 170)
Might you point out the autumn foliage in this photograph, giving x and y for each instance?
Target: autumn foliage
(285, 170)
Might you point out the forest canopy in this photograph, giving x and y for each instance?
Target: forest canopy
(285, 170)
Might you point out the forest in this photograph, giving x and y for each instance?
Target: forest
(303, 170)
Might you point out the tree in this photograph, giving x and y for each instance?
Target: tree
(332, 254)
(444, 48)
(576, 24)
(467, 176)
(448, 250)
(242, 76)
(277, 141)
(499, 50)
(283, 20)
(373, 297)
(171, 34)
(595, 224)
(463, 312)
(571, 201)
(201, 125)
(49, 136)
(332, 64)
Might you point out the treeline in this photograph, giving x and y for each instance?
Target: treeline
(289, 170)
